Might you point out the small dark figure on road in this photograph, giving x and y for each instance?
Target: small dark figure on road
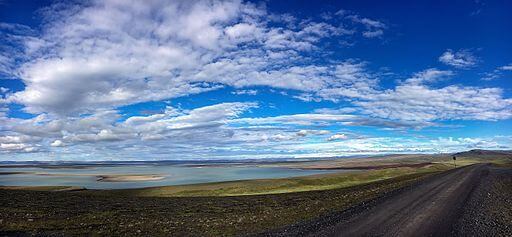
(454, 159)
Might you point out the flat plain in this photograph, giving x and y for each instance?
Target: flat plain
(310, 205)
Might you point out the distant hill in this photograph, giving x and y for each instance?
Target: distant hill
(479, 152)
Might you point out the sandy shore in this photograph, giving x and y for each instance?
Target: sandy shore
(15, 172)
(128, 178)
(101, 178)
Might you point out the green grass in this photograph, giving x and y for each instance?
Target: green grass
(310, 183)
(299, 184)
(273, 186)
(463, 161)
(87, 213)
(211, 209)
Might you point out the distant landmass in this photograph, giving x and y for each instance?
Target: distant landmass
(480, 152)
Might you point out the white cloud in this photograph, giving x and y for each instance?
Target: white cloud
(298, 119)
(12, 146)
(373, 28)
(429, 76)
(422, 103)
(459, 59)
(215, 131)
(337, 137)
(102, 135)
(496, 73)
(97, 56)
(18, 139)
(197, 132)
(202, 126)
(308, 97)
(57, 143)
(242, 31)
(305, 132)
(373, 34)
(415, 100)
(346, 110)
(327, 119)
(16, 147)
(245, 92)
(507, 67)
(396, 145)
(372, 23)
(88, 60)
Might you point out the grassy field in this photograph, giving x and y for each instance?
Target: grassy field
(86, 213)
(261, 186)
(213, 209)
(409, 163)
(273, 186)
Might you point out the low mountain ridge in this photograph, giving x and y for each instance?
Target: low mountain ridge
(480, 152)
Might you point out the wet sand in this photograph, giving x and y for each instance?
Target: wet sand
(128, 178)
(101, 178)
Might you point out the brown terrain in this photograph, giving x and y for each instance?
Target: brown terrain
(468, 201)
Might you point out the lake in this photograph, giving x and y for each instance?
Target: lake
(87, 176)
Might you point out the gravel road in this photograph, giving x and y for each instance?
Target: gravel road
(468, 201)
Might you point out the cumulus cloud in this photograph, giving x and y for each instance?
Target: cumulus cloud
(204, 125)
(123, 62)
(16, 147)
(397, 145)
(337, 137)
(173, 49)
(308, 97)
(325, 118)
(214, 131)
(507, 67)
(373, 28)
(299, 119)
(429, 76)
(305, 132)
(372, 34)
(415, 100)
(245, 92)
(422, 103)
(87, 60)
(459, 59)
(496, 73)
(346, 110)
(57, 143)
(213, 128)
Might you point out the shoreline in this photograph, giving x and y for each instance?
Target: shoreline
(128, 178)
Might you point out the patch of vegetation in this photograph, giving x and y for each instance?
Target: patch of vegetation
(213, 209)
(87, 213)
(273, 186)
(469, 159)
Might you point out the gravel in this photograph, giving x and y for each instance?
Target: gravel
(488, 211)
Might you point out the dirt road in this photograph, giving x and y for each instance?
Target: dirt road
(447, 204)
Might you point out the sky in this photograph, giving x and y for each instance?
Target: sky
(200, 80)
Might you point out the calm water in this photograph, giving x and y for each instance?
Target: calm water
(173, 175)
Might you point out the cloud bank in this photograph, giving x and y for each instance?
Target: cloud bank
(88, 60)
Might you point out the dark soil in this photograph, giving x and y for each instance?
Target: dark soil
(469, 201)
(375, 167)
(78, 213)
(489, 210)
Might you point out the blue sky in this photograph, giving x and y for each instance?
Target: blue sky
(131, 80)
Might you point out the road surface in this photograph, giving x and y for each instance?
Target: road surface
(454, 203)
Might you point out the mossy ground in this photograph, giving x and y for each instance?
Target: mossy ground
(87, 213)
(286, 185)
(215, 209)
